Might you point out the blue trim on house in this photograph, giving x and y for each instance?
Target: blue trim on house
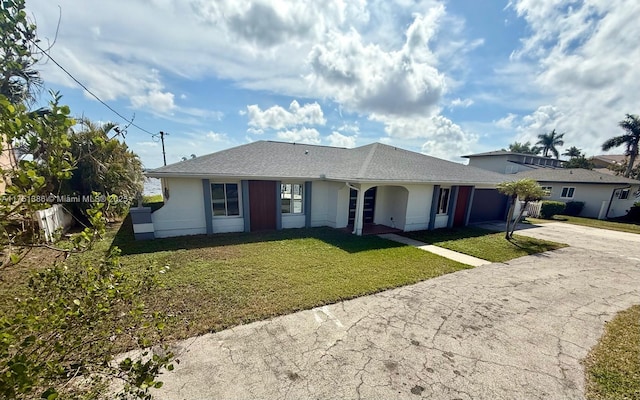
(307, 204)
(434, 206)
(453, 201)
(469, 204)
(246, 212)
(278, 205)
(208, 207)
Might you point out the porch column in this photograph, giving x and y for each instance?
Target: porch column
(307, 204)
(246, 209)
(453, 201)
(208, 206)
(435, 199)
(468, 212)
(278, 210)
(357, 222)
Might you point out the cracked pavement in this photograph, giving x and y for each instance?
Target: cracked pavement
(500, 331)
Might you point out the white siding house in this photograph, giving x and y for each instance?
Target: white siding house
(273, 185)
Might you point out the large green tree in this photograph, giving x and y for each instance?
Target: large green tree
(527, 190)
(549, 142)
(105, 164)
(524, 148)
(572, 152)
(59, 337)
(19, 80)
(630, 139)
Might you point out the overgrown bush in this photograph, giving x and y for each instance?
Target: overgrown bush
(550, 208)
(573, 208)
(633, 215)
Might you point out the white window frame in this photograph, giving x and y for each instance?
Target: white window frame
(226, 200)
(283, 193)
(567, 192)
(446, 199)
(547, 190)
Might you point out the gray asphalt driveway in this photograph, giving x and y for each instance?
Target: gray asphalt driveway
(501, 331)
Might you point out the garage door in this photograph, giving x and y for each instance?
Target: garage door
(488, 205)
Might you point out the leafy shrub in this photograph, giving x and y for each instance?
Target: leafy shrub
(633, 215)
(573, 208)
(551, 208)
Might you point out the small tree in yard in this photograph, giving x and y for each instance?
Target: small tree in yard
(526, 190)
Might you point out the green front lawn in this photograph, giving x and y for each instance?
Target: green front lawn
(484, 244)
(592, 222)
(613, 365)
(215, 282)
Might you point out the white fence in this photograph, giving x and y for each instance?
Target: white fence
(52, 220)
(533, 209)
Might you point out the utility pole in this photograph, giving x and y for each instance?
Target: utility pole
(164, 155)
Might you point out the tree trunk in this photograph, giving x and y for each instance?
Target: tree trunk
(515, 223)
(509, 216)
(632, 159)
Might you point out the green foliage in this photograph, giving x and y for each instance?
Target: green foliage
(524, 148)
(573, 152)
(18, 79)
(579, 162)
(549, 141)
(63, 336)
(630, 139)
(526, 190)
(105, 165)
(550, 208)
(573, 208)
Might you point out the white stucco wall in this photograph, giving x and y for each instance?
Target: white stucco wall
(418, 207)
(593, 195)
(183, 212)
(391, 206)
(293, 221)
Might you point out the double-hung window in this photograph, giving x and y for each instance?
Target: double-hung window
(567, 192)
(224, 197)
(547, 190)
(624, 194)
(291, 198)
(443, 204)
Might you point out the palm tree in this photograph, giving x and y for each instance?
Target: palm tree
(524, 148)
(549, 141)
(572, 152)
(631, 124)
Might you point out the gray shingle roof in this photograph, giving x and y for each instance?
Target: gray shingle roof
(370, 163)
(574, 175)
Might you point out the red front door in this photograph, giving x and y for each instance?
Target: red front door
(262, 205)
(464, 193)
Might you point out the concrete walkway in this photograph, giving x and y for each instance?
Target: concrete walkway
(450, 254)
(501, 331)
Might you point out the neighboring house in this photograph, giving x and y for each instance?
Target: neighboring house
(7, 161)
(603, 163)
(605, 196)
(273, 185)
(506, 162)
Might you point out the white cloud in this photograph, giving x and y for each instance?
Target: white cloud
(157, 101)
(461, 102)
(366, 78)
(217, 137)
(254, 131)
(506, 122)
(440, 136)
(277, 117)
(301, 135)
(337, 139)
(584, 56)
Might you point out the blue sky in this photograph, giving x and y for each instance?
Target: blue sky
(445, 78)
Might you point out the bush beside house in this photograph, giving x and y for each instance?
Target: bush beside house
(573, 208)
(550, 208)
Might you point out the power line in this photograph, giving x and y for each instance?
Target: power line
(129, 121)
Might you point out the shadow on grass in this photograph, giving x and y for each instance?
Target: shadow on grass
(125, 240)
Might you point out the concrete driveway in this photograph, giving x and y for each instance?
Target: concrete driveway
(502, 331)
